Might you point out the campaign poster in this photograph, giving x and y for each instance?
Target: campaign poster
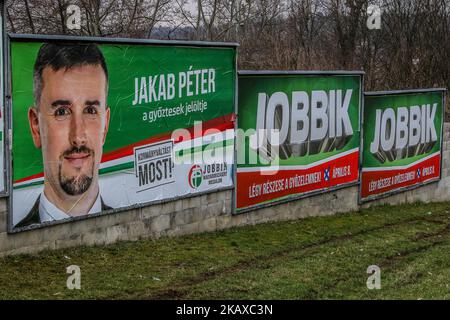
(102, 125)
(298, 135)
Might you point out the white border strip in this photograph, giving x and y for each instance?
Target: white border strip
(299, 167)
(117, 162)
(27, 182)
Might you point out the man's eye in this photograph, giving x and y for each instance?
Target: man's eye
(91, 110)
(61, 112)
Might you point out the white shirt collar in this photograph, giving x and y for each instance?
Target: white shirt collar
(49, 212)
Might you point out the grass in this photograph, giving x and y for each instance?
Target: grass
(314, 258)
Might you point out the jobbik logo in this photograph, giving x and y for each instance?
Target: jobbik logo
(403, 132)
(209, 174)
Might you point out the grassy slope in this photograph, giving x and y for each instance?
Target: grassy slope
(315, 258)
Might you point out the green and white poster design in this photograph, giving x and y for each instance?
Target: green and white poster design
(103, 126)
(317, 118)
(402, 137)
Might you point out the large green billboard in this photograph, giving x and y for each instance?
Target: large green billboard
(402, 138)
(103, 124)
(298, 135)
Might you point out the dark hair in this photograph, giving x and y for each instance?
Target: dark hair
(64, 56)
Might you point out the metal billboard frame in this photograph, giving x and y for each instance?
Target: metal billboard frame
(291, 198)
(415, 186)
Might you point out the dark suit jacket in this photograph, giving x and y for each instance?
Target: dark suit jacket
(33, 216)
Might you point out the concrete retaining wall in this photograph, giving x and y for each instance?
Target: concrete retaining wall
(201, 214)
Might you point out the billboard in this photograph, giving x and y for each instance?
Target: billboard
(2, 108)
(298, 135)
(402, 141)
(100, 125)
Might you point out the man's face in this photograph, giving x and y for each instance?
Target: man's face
(70, 124)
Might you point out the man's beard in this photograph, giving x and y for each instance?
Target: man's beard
(76, 185)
